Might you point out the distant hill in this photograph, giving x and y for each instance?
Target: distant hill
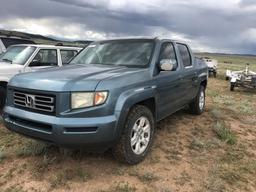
(226, 54)
(40, 39)
(25, 35)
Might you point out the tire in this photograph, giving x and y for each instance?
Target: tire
(198, 104)
(214, 74)
(2, 98)
(227, 78)
(232, 86)
(124, 151)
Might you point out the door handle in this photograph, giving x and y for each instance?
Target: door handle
(195, 78)
(195, 75)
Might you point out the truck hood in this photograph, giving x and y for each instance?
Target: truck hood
(7, 68)
(69, 78)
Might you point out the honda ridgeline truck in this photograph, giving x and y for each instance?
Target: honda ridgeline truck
(110, 96)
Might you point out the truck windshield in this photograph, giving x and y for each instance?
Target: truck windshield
(17, 54)
(130, 53)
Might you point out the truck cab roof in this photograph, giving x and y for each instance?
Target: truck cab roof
(159, 38)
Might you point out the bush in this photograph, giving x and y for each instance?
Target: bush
(225, 134)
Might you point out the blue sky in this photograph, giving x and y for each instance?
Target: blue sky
(212, 25)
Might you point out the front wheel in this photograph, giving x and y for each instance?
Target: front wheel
(2, 98)
(232, 86)
(198, 104)
(137, 137)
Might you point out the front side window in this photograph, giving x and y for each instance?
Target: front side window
(67, 55)
(167, 52)
(17, 54)
(130, 53)
(185, 55)
(45, 57)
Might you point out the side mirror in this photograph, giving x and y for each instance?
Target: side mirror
(34, 63)
(168, 65)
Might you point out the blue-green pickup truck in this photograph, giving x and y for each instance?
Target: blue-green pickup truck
(110, 96)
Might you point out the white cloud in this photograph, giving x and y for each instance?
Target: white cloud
(73, 31)
(212, 25)
(149, 5)
(52, 27)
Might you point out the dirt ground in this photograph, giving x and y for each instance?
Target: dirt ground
(213, 152)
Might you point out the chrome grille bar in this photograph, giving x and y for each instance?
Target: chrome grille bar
(34, 101)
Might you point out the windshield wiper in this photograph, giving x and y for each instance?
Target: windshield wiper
(7, 60)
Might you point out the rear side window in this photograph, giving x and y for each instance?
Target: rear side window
(67, 55)
(167, 52)
(185, 55)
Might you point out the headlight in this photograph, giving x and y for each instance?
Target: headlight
(88, 99)
(100, 97)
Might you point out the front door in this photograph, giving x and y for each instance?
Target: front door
(43, 59)
(168, 83)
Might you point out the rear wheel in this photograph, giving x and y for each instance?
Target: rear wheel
(2, 98)
(198, 104)
(232, 86)
(137, 137)
(214, 74)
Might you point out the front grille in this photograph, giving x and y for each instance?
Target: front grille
(35, 102)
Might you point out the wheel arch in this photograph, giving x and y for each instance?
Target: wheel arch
(145, 98)
(204, 83)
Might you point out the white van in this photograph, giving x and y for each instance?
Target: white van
(30, 57)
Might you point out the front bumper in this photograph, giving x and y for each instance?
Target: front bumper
(64, 132)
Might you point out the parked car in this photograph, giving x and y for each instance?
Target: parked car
(245, 78)
(29, 57)
(110, 96)
(6, 42)
(212, 66)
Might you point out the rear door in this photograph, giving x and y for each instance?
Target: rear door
(169, 86)
(190, 74)
(67, 55)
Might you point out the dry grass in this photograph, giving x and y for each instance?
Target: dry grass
(32, 148)
(121, 187)
(235, 168)
(3, 155)
(224, 133)
(63, 177)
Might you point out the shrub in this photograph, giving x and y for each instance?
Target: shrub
(225, 134)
